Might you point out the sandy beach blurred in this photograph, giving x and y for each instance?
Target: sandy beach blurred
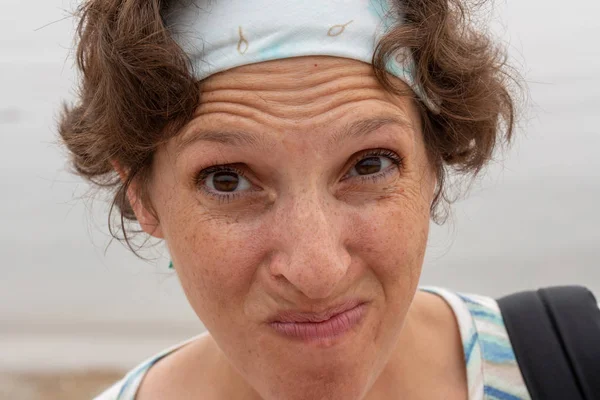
(63, 386)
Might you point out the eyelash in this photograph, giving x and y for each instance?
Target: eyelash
(396, 160)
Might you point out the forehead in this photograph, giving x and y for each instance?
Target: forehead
(340, 98)
(299, 84)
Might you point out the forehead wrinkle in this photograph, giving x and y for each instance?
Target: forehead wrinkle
(238, 138)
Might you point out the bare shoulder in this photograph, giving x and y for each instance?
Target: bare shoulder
(183, 374)
(442, 343)
(435, 312)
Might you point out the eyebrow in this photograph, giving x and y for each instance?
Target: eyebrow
(352, 130)
(362, 128)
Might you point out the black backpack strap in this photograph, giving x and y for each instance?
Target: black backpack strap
(577, 320)
(555, 333)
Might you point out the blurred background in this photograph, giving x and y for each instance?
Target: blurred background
(76, 310)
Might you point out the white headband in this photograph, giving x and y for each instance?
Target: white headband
(219, 35)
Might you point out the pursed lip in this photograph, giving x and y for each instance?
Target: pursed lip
(295, 316)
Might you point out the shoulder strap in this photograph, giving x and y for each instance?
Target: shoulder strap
(555, 333)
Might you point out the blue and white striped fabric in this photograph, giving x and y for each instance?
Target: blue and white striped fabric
(492, 370)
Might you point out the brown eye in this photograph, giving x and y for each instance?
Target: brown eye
(225, 181)
(368, 166)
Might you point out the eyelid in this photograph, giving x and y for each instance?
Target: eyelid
(378, 152)
(200, 176)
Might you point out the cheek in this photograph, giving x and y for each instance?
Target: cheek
(216, 261)
(392, 237)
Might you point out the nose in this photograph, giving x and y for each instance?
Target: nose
(311, 254)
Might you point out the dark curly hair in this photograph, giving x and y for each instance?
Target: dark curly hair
(137, 90)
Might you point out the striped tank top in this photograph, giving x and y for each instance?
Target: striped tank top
(492, 369)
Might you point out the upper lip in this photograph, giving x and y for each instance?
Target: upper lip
(291, 316)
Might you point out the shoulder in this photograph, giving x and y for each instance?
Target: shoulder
(186, 374)
(474, 313)
(480, 323)
(439, 345)
(491, 365)
(129, 386)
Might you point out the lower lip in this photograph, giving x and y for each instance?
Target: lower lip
(334, 327)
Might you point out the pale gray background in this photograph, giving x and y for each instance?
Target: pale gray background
(66, 302)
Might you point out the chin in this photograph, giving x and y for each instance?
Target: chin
(339, 384)
(343, 372)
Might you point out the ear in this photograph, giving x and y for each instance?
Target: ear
(147, 221)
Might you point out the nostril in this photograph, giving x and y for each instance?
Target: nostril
(277, 261)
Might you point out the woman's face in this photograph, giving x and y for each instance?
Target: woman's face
(295, 206)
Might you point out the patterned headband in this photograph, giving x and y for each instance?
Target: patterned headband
(219, 35)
